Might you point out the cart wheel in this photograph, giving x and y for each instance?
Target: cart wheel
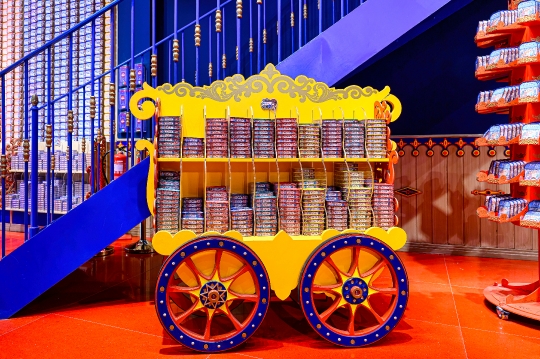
(354, 290)
(502, 314)
(212, 294)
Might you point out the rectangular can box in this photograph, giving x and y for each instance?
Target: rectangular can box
(123, 98)
(139, 74)
(123, 76)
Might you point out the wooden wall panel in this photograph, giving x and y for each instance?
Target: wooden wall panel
(408, 204)
(424, 203)
(445, 211)
(455, 197)
(471, 233)
(439, 195)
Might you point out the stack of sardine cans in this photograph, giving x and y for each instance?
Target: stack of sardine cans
(240, 137)
(289, 207)
(217, 209)
(264, 132)
(332, 138)
(241, 214)
(193, 214)
(313, 201)
(384, 205)
(354, 138)
(193, 147)
(167, 201)
(217, 138)
(376, 138)
(309, 141)
(169, 134)
(266, 221)
(336, 209)
(287, 137)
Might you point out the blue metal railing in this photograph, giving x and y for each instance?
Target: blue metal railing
(260, 32)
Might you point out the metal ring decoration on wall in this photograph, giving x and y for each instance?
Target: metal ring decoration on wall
(212, 294)
(368, 293)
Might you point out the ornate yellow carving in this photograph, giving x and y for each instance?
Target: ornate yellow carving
(210, 70)
(301, 95)
(93, 102)
(292, 18)
(264, 36)
(305, 11)
(70, 121)
(132, 80)
(48, 135)
(224, 61)
(153, 65)
(250, 44)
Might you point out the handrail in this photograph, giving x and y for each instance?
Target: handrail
(59, 38)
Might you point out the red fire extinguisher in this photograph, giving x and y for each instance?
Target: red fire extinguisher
(120, 162)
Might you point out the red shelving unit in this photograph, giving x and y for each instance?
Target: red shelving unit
(518, 298)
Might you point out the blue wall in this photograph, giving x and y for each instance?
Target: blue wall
(433, 76)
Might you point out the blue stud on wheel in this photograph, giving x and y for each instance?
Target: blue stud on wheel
(212, 294)
(353, 290)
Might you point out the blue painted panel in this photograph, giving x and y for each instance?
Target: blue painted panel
(357, 37)
(72, 240)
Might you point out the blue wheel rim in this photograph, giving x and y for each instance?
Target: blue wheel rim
(400, 282)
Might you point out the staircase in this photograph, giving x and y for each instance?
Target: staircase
(308, 31)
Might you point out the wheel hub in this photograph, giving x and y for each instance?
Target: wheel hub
(355, 290)
(213, 295)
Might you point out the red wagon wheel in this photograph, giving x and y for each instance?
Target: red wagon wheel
(212, 293)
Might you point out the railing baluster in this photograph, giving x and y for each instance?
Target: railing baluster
(92, 117)
(238, 30)
(83, 149)
(183, 73)
(169, 62)
(305, 22)
(34, 179)
(70, 127)
(259, 40)
(342, 8)
(197, 41)
(264, 34)
(153, 71)
(210, 69)
(292, 26)
(320, 4)
(250, 39)
(300, 24)
(175, 33)
(218, 30)
(53, 161)
(278, 30)
(26, 149)
(48, 134)
(224, 58)
(133, 120)
(3, 165)
(112, 109)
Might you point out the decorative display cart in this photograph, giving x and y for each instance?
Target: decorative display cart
(515, 33)
(215, 286)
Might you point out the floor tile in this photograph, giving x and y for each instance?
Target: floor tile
(476, 313)
(431, 302)
(482, 345)
(8, 325)
(428, 268)
(483, 272)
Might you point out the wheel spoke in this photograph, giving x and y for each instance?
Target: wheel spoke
(247, 297)
(182, 317)
(385, 290)
(191, 265)
(234, 321)
(329, 261)
(209, 318)
(352, 313)
(328, 312)
(379, 319)
(235, 276)
(325, 288)
(219, 252)
(354, 261)
(178, 289)
(377, 267)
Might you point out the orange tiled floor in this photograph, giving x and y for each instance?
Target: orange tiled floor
(105, 310)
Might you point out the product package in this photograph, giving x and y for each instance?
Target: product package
(530, 134)
(528, 91)
(528, 52)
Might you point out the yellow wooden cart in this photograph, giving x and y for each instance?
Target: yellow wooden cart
(214, 289)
